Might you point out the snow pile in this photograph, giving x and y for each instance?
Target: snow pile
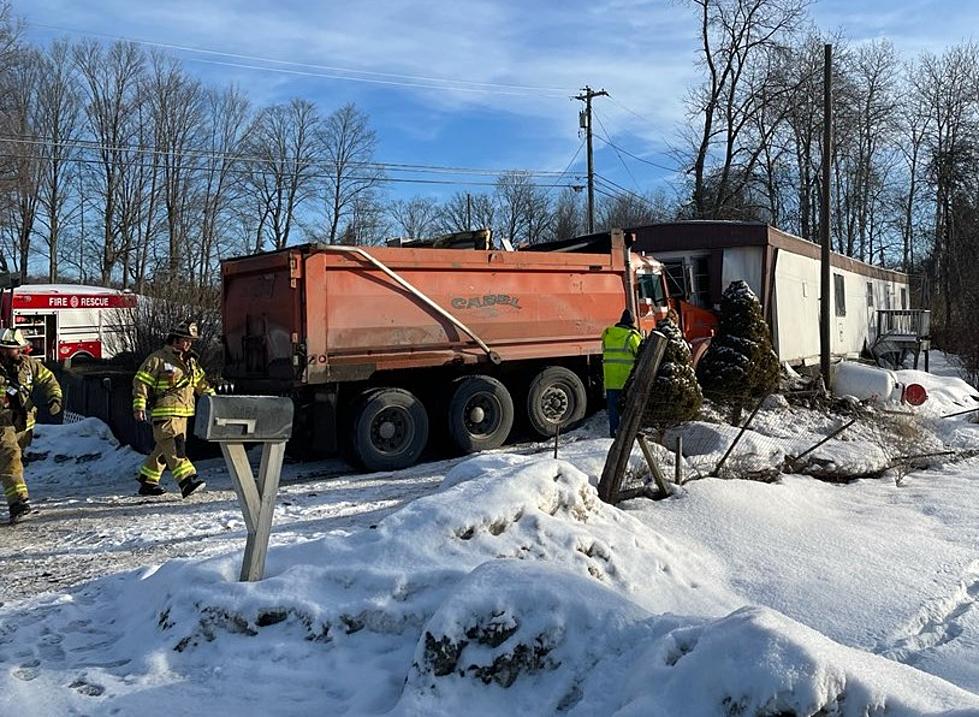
(946, 394)
(348, 609)
(512, 587)
(77, 454)
(539, 640)
(706, 443)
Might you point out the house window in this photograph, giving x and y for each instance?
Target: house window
(870, 294)
(904, 299)
(840, 293)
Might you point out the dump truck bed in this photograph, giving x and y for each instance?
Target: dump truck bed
(316, 313)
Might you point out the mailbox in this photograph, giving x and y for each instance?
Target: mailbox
(231, 422)
(244, 419)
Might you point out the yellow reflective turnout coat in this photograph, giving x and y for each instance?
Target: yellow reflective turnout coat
(18, 379)
(170, 382)
(620, 346)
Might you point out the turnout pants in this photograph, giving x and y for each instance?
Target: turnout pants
(170, 451)
(12, 444)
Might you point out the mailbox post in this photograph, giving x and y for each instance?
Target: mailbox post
(233, 421)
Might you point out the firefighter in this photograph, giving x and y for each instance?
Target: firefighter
(19, 376)
(170, 381)
(620, 346)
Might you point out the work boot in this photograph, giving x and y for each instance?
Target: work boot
(151, 489)
(189, 484)
(19, 508)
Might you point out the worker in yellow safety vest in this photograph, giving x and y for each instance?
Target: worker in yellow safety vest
(19, 376)
(620, 346)
(168, 384)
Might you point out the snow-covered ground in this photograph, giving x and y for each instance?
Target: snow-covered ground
(501, 584)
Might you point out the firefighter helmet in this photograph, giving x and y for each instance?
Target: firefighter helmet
(185, 330)
(13, 339)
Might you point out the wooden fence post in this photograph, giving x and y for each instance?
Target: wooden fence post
(678, 465)
(644, 376)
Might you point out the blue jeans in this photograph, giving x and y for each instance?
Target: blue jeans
(612, 400)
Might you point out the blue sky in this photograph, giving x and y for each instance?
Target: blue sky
(531, 56)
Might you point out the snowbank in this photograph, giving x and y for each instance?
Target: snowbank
(74, 456)
(539, 640)
(512, 588)
(946, 394)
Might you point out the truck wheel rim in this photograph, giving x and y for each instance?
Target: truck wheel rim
(555, 403)
(481, 414)
(392, 430)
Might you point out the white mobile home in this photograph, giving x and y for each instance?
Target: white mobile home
(703, 257)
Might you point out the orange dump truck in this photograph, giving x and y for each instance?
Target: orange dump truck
(385, 348)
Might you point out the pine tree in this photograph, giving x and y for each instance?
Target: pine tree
(740, 363)
(675, 396)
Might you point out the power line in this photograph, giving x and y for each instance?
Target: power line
(617, 153)
(609, 142)
(230, 156)
(570, 163)
(619, 189)
(446, 83)
(630, 111)
(379, 179)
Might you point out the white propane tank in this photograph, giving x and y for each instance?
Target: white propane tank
(865, 382)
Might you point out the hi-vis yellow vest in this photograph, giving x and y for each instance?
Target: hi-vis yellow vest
(620, 346)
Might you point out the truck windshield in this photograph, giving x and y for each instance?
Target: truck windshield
(651, 287)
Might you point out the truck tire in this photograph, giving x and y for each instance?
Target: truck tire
(556, 400)
(480, 414)
(390, 429)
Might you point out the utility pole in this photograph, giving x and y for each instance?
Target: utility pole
(469, 211)
(824, 216)
(584, 121)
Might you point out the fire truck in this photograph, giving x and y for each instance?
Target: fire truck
(68, 321)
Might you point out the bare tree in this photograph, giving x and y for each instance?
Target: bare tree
(464, 211)
(569, 215)
(59, 123)
(113, 94)
(947, 86)
(284, 138)
(367, 222)
(224, 145)
(348, 145)
(25, 150)
(738, 39)
(913, 126)
(414, 218)
(177, 103)
(522, 208)
(632, 210)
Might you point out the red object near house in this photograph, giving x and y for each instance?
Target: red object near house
(915, 394)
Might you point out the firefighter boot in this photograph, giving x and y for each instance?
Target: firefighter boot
(189, 484)
(150, 489)
(19, 508)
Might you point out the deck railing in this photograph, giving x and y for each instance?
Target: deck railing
(904, 322)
